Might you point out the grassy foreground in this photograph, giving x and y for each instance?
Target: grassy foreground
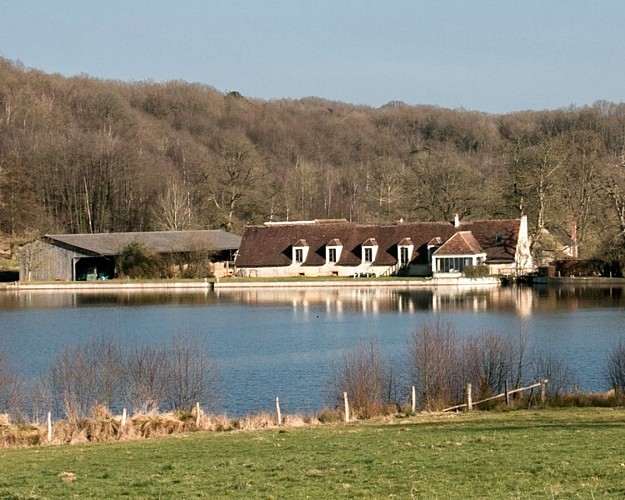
(567, 453)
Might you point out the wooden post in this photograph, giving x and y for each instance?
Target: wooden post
(413, 405)
(197, 414)
(543, 391)
(346, 407)
(124, 415)
(507, 394)
(278, 410)
(469, 397)
(49, 422)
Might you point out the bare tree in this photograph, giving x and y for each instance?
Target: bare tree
(147, 377)
(560, 376)
(192, 375)
(174, 209)
(11, 387)
(361, 372)
(490, 362)
(435, 367)
(238, 171)
(615, 367)
(86, 375)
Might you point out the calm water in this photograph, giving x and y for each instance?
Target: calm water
(270, 343)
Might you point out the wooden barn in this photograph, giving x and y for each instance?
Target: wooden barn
(77, 257)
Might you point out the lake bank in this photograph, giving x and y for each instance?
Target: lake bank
(236, 284)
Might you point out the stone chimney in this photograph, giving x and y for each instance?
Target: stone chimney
(456, 220)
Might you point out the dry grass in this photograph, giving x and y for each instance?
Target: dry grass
(103, 426)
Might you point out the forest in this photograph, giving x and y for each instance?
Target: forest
(83, 155)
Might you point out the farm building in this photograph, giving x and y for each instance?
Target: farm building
(341, 248)
(76, 257)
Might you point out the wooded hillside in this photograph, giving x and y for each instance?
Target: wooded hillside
(86, 155)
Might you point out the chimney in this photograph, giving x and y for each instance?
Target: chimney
(456, 220)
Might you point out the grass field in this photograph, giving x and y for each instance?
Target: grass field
(554, 453)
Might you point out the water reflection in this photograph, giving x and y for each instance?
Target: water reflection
(375, 301)
(519, 300)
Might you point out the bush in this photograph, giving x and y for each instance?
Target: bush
(362, 374)
(473, 272)
(135, 261)
(11, 386)
(435, 366)
(148, 379)
(615, 367)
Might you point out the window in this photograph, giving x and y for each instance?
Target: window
(299, 255)
(368, 254)
(403, 256)
(332, 255)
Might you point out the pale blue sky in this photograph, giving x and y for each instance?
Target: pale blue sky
(494, 56)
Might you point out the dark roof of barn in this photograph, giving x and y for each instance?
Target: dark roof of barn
(271, 245)
(155, 241)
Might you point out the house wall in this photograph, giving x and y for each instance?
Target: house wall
(310, 271)
(40, 261)
(524, 262)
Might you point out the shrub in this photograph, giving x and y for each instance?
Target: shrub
(11, 387)
(489, 362)
(361, 373)
(560, 376)
(615, 367)
(435, 366)
(148, 379)
(86, 375)
(135, 261)
(473, 272)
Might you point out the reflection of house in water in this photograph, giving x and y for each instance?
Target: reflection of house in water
(387, 299)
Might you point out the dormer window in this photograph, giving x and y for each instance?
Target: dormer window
(299, 255)
(369, 251)
(332, 255)
(333, 251)
(405, 249)
(300, 252)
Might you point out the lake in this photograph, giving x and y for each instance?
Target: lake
(281, 342)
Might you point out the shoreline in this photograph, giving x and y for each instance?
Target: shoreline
(232, 285)
(226, 284)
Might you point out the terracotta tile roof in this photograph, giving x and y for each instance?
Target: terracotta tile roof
(155, 241)
(461, 243)
(264, 246)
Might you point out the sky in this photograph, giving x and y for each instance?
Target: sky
(494, 56)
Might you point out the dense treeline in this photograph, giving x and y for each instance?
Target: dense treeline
(85, 155)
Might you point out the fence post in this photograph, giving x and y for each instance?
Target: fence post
(543, 391)
(278, 410)
(197, 414)
(507, 394)
(346, 407)
(124, 414)
(413, 405)
(469, 397)
(49, 424)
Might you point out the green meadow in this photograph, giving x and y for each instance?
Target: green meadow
(551, 453)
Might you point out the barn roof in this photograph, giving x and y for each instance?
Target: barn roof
(271, 245)
(155, 241)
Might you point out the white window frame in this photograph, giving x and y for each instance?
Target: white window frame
(299, 255)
